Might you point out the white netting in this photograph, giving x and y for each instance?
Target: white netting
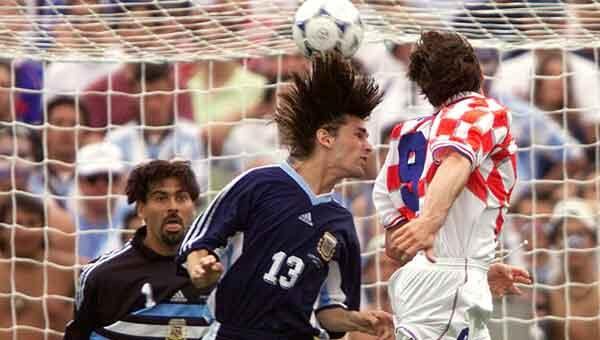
(553, 96)
(215, 29)
(228, 59)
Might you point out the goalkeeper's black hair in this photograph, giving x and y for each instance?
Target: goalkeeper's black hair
(323, 98)
(145, 175)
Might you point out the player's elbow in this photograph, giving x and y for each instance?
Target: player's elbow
(380, 197)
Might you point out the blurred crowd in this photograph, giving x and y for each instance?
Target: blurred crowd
(71, 131)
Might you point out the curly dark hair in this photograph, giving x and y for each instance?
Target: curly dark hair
(145, 175)
(323, 98)
(444, 65)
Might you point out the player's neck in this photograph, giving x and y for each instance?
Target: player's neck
(315, 173)
(158, 247)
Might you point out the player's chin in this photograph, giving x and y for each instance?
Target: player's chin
(173, 238)
(358, 171)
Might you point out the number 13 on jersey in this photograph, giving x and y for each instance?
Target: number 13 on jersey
(295, 265)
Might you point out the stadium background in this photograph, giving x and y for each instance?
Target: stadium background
(88, 86)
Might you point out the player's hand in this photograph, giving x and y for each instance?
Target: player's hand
(384, 326)
(204, 268)
(502, 279)
(377, 323)
(410, 238)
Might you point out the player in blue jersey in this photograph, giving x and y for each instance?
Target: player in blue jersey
(279, 245)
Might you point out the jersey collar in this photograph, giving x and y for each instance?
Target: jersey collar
(138, 243)
(458, 97)
(314, 199)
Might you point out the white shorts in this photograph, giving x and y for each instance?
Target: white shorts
(446, 300)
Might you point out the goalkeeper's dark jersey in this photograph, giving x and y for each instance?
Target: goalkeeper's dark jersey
(134, 293)
(287, 253)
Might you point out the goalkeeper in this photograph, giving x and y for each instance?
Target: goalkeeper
(133, 293)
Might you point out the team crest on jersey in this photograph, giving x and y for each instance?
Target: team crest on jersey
(326, 246)
(176, 330)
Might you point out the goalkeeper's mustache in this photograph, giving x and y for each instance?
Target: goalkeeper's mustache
(173, 219)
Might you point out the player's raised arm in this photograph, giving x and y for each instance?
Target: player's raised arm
(385, 183)
(419, 233)
(225, 216)
(204, 268)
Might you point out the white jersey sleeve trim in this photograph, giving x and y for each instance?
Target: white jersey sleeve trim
(331, 293)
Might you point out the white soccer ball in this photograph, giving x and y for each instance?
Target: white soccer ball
(322, 26)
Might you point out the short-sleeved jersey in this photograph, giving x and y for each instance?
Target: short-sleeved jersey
(478, 128)
(134, 293)
(288, 252)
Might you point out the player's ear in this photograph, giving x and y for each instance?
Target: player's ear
(140, 209)
(325, 138)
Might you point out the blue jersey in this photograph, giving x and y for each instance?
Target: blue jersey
(287, 252)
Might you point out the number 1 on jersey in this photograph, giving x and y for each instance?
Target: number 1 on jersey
(295, 264)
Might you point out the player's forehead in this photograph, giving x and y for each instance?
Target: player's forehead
(353, 123)
(168, 185)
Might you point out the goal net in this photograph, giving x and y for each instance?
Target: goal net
(89, 88)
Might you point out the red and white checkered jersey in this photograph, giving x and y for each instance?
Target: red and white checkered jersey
(478, 128)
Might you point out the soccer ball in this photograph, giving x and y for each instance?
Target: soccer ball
(322, 26)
